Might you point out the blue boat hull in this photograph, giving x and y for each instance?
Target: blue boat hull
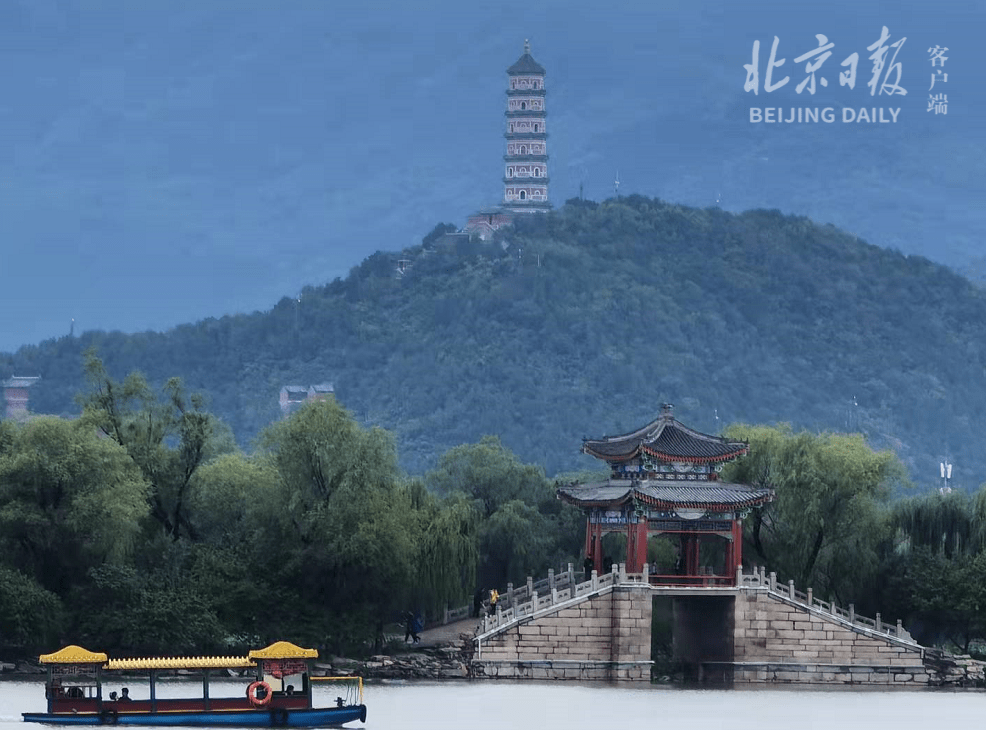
(328, 716)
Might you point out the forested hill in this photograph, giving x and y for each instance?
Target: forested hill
(581, 322)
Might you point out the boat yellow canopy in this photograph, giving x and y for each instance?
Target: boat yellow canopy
(182, 662)
(283, 650)
(278, 650)
(73, 655)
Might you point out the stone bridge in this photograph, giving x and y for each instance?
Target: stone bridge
(758, 631)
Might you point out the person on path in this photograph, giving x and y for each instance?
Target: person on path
(411, 627)
(588, 567)
(494, 597)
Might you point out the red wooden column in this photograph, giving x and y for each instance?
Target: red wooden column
(693, 547)
(637, 544)
(594, 543)
(737, 551)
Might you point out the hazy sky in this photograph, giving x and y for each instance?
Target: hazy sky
(165, 162)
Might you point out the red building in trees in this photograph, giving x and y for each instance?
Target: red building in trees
(15, 395)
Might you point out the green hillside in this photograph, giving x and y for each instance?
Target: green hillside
(581, 322)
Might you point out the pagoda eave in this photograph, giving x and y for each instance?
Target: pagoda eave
(694, 459)
(666, 494)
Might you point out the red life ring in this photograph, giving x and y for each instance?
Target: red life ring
(253, 692)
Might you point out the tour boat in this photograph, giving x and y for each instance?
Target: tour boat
(278, 693)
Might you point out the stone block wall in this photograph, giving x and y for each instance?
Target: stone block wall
(782, 642)
(605, 636)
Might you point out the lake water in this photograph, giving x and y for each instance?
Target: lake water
(499, 705)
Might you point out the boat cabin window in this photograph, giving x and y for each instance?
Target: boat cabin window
(294, 683)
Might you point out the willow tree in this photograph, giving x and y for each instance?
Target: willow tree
(69, 500)
(829, 518)
(349, 558)
(943, 523)
(168, 435)
(522, 528)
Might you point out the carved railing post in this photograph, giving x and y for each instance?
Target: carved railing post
(534, 602)
(852, 613)
(510, 595)
(739, 575)
(879, 623)
(595, 580)
(790, 588)
(811, 597)
(773, 581)
(645, 574)
(571, 578)
(551, 579)
(530, 586)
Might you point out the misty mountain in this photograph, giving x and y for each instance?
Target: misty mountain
(581, 323)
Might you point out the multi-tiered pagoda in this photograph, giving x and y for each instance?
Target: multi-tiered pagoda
(525, 181)
(664, 480)
(525, 170)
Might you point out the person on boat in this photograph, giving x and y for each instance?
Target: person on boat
(113, 696)
(125, 696)
(410, 627)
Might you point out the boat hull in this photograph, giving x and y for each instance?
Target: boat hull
(321, 717)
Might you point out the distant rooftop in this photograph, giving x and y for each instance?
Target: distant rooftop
(21, 381)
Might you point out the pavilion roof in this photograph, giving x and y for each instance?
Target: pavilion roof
(668, 439)
(666, 493)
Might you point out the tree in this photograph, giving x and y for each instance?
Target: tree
(31, 617)
(523, 528)
(828, 519)
(340, 491)
(168, 439)
(490, 474)
(68, 500)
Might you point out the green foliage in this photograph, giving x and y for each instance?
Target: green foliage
(68, 500)
(828, 520)
(31, 618)
(126, 612)
(556, 335)
(167, 439)
(523, 529)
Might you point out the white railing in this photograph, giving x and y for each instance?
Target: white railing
(562, 587)
(761, 579)
(515, 604)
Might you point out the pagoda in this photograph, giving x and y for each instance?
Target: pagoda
(525, 172)
(525, 181)
(664, 480)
